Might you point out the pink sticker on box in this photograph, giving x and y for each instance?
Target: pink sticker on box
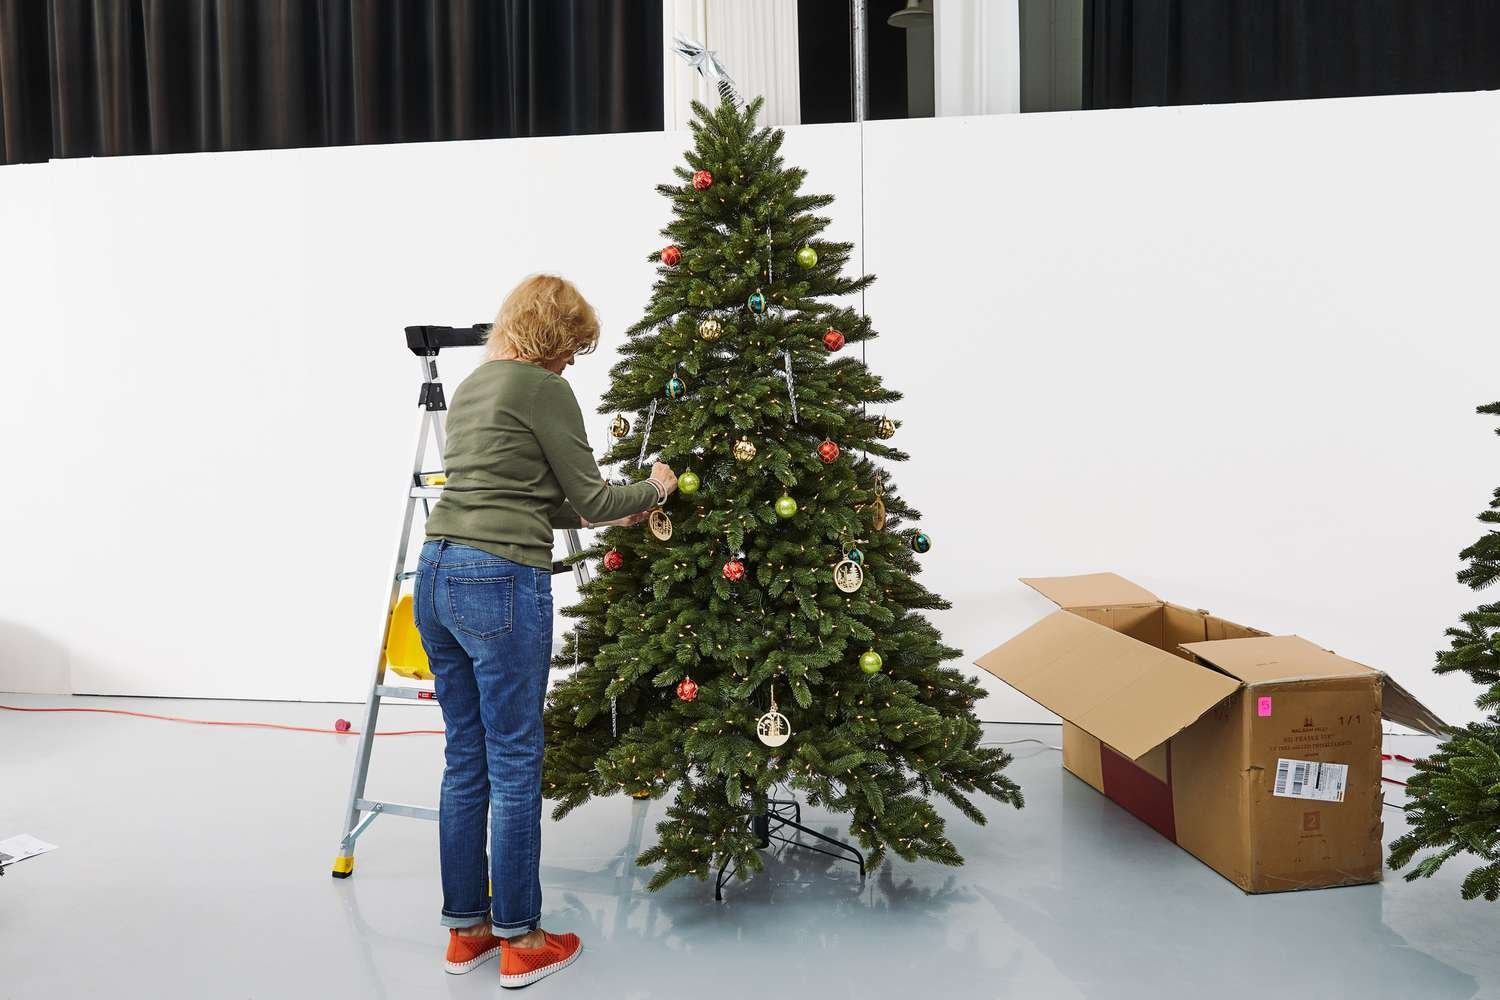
(1263, 707)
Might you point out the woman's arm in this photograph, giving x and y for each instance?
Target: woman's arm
(557, 423)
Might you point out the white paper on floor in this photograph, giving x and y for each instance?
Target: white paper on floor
(20, 847)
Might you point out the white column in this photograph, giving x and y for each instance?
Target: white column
(977, 54)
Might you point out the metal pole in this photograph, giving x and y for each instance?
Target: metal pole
(861, 58)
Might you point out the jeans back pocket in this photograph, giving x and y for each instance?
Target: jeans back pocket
(482, 606)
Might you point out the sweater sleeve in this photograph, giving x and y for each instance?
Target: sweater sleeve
(557, 423)
(564, 516)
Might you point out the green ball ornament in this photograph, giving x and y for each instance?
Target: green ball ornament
(807, 257)
(676, 388)
(855, 556)
(786, 507)
(920, 542)
(756, 302)
(687, 483)
(870, 662)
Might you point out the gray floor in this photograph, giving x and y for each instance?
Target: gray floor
(194, 863)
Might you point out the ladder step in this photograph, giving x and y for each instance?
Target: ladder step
(408, 693)
(396, 809)
(426, 492)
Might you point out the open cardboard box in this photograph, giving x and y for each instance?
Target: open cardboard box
(1259, 754)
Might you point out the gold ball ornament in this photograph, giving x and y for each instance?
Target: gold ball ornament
(620, 426)
(744, 450)
(886, 429)
(710, 329)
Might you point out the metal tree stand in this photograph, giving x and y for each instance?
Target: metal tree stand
(786, 814)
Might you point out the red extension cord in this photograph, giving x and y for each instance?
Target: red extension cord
(346, 731)
(336, 731)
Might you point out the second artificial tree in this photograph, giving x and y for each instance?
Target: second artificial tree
(764, 629)
(1454, 798)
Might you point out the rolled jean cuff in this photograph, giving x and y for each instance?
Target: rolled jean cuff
(515, 928)
(462, 920)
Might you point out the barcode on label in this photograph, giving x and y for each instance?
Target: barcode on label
(1311, 779)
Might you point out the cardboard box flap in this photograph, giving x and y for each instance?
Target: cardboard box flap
(1262, 659)
(1398, 705)
(1129, 695)
(1092, 590)
(1289, 657)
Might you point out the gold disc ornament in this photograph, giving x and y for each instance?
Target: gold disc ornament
(773, 728)
(660, 524)
(744, 450)
(877, 514)
(620, 426)
(847, 576)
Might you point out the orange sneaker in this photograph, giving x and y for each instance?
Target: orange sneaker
(467, 952)
(524, 966)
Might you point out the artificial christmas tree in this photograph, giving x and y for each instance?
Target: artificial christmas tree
(827, 683)
(1455, 794)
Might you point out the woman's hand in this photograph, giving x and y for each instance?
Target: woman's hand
(663, 476)
(619, 522)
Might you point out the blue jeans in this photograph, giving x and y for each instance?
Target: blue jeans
(486, 624)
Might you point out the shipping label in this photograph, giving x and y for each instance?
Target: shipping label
(1311, 779)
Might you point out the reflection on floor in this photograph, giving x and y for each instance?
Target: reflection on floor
(194, 861)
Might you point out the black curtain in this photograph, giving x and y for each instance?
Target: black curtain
(110, 77)
(824, 61)
(1153, 52)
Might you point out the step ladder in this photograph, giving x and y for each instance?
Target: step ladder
(424, 487)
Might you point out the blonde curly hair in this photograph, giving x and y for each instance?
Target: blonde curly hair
(544, 318)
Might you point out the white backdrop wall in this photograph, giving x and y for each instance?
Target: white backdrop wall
(1231, 352)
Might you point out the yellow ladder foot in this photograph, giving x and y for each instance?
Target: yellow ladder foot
(343, 866)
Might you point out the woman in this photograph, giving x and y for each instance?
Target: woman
(518, 465)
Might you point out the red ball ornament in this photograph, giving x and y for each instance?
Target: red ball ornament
(703, 180)
(734, 571)
(828, 451)
(613, 560)
(687, 689)
(833, 340)
(671, 256)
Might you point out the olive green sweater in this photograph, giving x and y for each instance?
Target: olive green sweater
(519, 464)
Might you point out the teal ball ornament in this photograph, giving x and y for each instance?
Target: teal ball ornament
(756, 302)
(676, 388)
(786, 507)
(920, 542)
(870, 662)
(807, 257)
(855, 556)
